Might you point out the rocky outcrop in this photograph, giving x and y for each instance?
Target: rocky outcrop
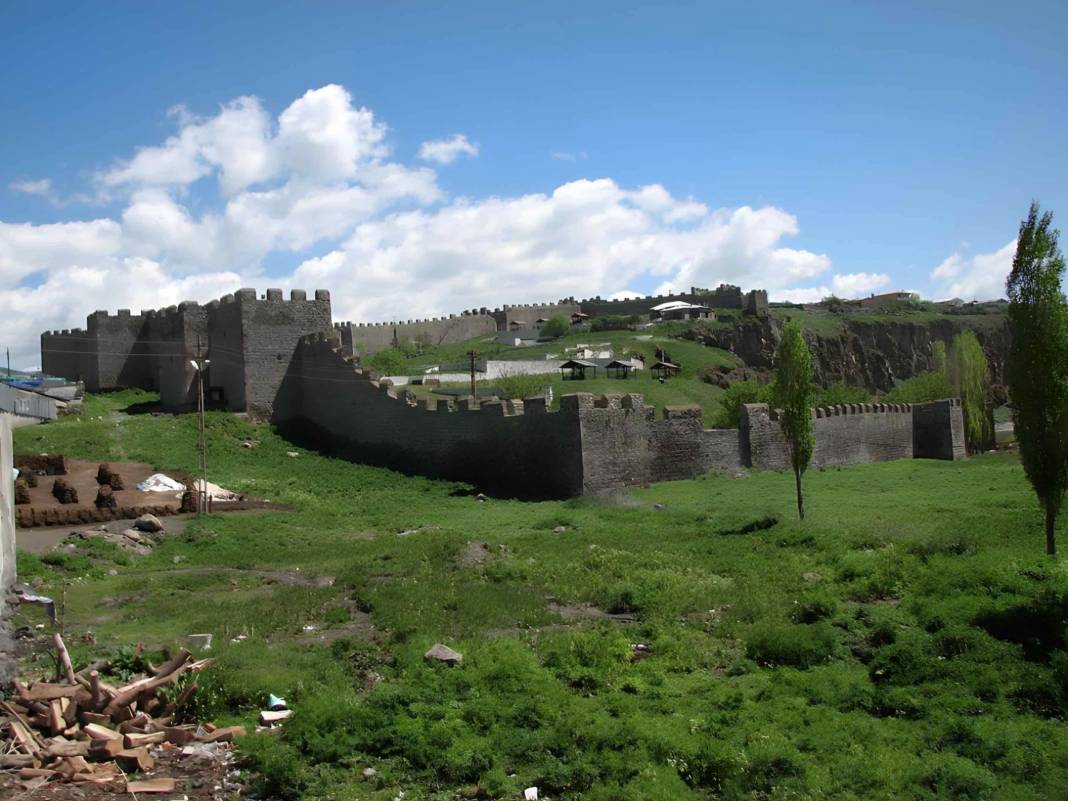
(875, 354)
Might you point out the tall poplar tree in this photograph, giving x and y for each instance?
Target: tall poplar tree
(794, 394)
(1038, 363)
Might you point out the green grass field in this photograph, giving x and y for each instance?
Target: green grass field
(906, 642)
(686, 388)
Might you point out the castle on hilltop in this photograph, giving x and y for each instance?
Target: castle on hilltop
(285, 360)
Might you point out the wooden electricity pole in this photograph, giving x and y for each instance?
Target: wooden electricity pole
(472, 355)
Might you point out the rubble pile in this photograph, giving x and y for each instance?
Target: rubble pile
(84, 730)
(140, 539)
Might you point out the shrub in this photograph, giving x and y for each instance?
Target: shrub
(555, 327)
(736, 396)
(839, 393)
(813, 607)
(781, 644)
(517, 385)
(614, 322)
(389, 361)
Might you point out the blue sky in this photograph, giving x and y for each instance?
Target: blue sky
(884, 140)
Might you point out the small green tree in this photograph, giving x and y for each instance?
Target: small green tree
(968, 374)
(555, 327)
(794, 393)
(1038, 362)
(517, 385)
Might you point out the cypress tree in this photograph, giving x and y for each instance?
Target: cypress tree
(1038, 363)
(794, 394)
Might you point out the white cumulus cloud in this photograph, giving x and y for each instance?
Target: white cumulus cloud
(318, 180)
(977, 277)
(42, 187)
(446, 151)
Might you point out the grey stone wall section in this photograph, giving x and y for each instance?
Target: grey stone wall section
(174, 333)
(226, 351)
(857, 433)
(529, 313)
(365, 339)
(271, 328)
(65, 353)
(938, 430)
(507, 448)
(119, 356)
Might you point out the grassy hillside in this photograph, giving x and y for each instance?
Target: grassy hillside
(686, 388)
(906, 642)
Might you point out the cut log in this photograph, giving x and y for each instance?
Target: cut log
(94, 717)
(60, 747)
(105, 750)
(172, 665)
(133, 760)
(224, 735)
(137, 740)
(8, 761)
(24, 737)
(180, 735)
(151, 786)
(64, 659)
(33, 773)
(43, 691)
(98, 732)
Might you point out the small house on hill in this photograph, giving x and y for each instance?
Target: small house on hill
(680, 310)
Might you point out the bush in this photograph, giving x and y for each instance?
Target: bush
(516, 385)
(614, 322)
(801, 646)
(387, 362)
(813, 607)
(839, 393)
(555, 327)
(736, 396)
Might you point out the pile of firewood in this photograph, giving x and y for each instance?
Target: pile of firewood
(82, 729)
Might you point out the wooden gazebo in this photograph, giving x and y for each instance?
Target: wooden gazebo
(575, 369)
(663, 370)
(617, 368)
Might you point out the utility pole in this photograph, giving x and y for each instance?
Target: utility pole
(8, 362)
(472, 355)
(202, 434)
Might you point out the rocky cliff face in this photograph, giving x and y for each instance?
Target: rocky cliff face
(872, 353)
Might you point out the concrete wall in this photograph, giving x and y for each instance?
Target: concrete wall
(505, 448)
(7, 548)
(7, 509)
(365, 339)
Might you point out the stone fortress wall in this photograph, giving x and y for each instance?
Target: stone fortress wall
(591, 445)
(284, 359)
(367, 338)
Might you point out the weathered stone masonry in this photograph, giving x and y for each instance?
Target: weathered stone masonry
(281, 358)
(592, 445)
